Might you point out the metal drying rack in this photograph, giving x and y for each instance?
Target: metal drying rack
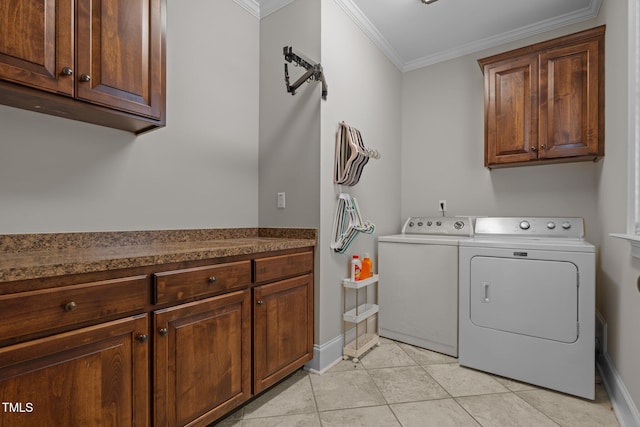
(313, 73)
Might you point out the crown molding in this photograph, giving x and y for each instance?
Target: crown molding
(267, 7)
(584, 14)
(589, 12)
(370, 31)
(250, 6)
(262, 8)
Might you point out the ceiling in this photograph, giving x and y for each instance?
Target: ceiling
(413, 35)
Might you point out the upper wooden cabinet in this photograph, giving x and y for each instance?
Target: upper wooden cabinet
(98, 61)
(544, 103)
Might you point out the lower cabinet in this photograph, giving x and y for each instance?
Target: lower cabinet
(95, 376)
(202, 362)
(220, 334)
(283, 329)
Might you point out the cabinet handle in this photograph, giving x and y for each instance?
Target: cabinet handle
(70, 306)
(212, 279)
(260, 302)
(66, 71)
(534, 148)
(85, 77)
(163, 332)
(142, 338)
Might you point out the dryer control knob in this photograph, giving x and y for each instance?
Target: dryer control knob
(458, 225)
(566, 225)
(420, 224)
(551, 225)
(411, 224)
(525, 225)
(429, 223)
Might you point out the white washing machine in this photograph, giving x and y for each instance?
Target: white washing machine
(527, 302)
(418, 282)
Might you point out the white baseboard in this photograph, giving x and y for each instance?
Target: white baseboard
(623, 405)
(325, 356)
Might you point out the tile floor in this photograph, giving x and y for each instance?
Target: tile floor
(399, 385)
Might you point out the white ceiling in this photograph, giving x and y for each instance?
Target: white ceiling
(414, 35)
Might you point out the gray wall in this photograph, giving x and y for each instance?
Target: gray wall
(364, 91)
(289, 125)
(619, 300)
(200, 171)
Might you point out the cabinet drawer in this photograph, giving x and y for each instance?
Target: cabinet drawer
(277, 267)
(36, 311)
(178, 285)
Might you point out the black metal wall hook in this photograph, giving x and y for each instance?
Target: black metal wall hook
(314, 71)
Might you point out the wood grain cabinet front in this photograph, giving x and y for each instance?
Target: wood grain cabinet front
(95, 376)
(282, 329)
(179, 285)
(544, 103)
(66, 307)
(96, 61)
(202, 361)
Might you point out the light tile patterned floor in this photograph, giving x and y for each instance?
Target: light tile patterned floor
(399, 385)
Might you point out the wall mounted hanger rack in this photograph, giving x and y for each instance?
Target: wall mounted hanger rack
(314, 71)
(347, 223)
(351, 155)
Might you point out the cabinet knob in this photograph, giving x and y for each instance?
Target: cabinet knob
(543, 146)
(70, 306)
(66, 71)
(142, 338)
(85, 77)
(534, 148)
(260, 302)
(212, 279)
(163, 332)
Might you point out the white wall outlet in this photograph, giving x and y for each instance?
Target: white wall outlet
(281, 200)
(442, 206)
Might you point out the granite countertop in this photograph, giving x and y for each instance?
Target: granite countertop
(33, 256)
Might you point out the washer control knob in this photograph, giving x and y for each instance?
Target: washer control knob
(411, 224)
(458, 225)
(438, 223)
(566, 225)
(524, 225)
(420, 224)
(551, 225)
(429, 223)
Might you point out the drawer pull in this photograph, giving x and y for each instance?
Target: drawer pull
(163, 332)
(70, 306)
(212, 279)
(142, 338)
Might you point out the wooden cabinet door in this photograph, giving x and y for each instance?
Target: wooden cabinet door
(96, 376)
(202, 361)
(569, 101)
(36, 43)
(119, 54)
(511, 122)
(282, 328)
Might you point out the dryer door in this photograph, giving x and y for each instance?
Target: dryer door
(538, 298)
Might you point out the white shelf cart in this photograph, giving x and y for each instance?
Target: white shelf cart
(363, 316)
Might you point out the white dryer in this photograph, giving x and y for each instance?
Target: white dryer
(527, 302)
(418, 278)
